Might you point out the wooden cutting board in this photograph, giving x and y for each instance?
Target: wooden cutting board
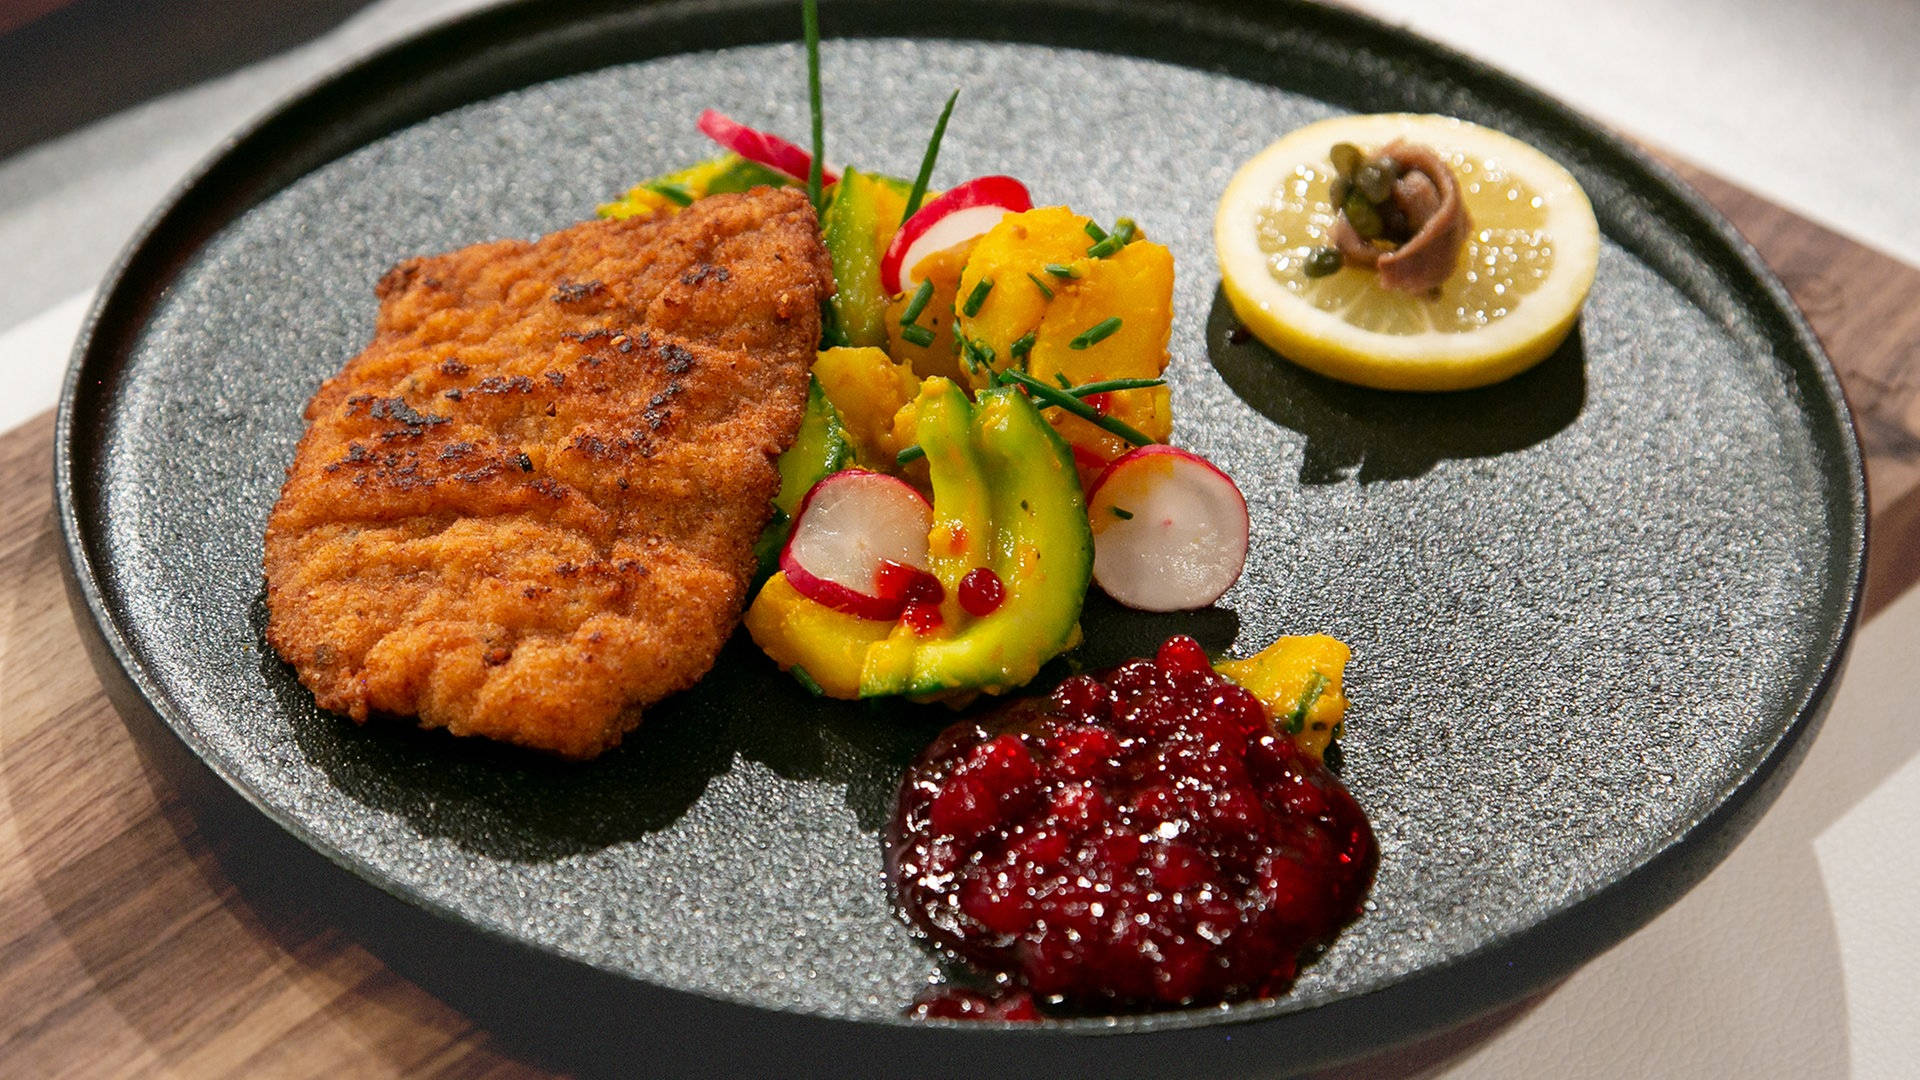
(131, 943)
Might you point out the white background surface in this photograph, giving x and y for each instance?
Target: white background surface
(1795, 957)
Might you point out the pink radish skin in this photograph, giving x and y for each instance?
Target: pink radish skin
(1186, 541)
(955, 217)
(847, 526)
(760, 147)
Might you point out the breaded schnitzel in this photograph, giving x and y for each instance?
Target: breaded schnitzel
(530, 505)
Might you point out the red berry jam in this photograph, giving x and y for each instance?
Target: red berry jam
(1144, 838)
(982, 592)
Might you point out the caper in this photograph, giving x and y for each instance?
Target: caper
(1375, 181)
(1361, 215)
(1342, 187)
(1346, 158)
(1323, 261)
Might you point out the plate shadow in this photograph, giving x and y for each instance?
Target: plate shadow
(1375, 435)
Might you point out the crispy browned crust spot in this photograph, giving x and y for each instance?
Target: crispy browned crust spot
(530, 505)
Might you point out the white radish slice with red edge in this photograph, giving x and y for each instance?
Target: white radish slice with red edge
(957, 216)
(847, 527)
(1169, 530)
(760, 147)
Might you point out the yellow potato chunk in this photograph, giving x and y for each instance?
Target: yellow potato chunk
(868, 388)
(1294, 671)
(1029, 303)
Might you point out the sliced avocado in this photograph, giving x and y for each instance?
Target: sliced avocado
(822, 448)
(1036, 539)
(853, 227)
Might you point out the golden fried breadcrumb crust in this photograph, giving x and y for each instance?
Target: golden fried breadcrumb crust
(529, 507)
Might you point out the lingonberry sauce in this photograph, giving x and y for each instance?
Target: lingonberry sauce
(1140, 839)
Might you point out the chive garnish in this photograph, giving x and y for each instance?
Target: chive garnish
(918, 304)
(676, 193)
(1096, 232)
(1096, 333)
(1298, 717)
(1125, 230)
(1065, 383)
(918, 335)
(977, 297)
(910, 455)
(1104, 248)
(1021, 346)
(1123, 514)
(1060, 270)
(927, 159)
(1110, 385)
(1053, 395)
(810, 25)
(800, 676)
(1041, 285)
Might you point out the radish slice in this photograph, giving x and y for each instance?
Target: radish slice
(760, 147)
(1169, 530)
(956, 216)
(850, 525)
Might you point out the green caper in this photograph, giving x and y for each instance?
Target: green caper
(1361, 214)
(1375, 181)
(1346, 157)
(1322, 261)
(1342, 187)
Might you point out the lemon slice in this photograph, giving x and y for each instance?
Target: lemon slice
(1515, 293)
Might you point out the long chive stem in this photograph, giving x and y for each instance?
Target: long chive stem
(1110, 385)
(810, 24)
(927, 159)
(1053, 395)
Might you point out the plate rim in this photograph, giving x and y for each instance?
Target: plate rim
(1601, 915)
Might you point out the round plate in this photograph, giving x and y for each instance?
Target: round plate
(1595, 611)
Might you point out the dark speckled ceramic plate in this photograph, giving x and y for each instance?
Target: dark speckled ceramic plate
(1595, 611)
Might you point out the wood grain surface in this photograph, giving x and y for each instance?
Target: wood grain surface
(136, 941)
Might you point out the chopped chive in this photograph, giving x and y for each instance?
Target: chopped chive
(1096, 333)
(910, 455)
(1062, 271)
(927, 159)
(1297, 719)
(1053, 395)
(800, 676)
(1125, 230)
(1096, 231)
(918, 335)
(1104, 248)
(1123, 514)
(676, 193)
(1065, 383)
(918, 304)
(1041, 285)
(810, 26)
(977, 297)
(1109, 385)
(1021, 346)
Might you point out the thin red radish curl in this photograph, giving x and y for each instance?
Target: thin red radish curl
(1169, 530)
(959, 215)
(760, 147)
